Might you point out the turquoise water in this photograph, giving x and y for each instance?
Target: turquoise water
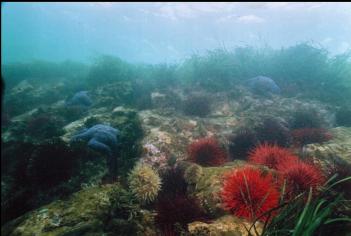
(154, 32)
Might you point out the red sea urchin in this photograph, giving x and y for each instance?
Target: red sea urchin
(248, 193)
(310, 135)
(271, 156)
(207, 152)
(301, 177)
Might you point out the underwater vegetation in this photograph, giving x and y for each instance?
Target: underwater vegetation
(141, 95)
(248, 193)
(271, 156)
(305, 136)
(39, 71)
(197, 105)
(309, 214)
(340, 169)
(219, 70)
(241, 143)
(108, 69)
(144, 183)
(207, 152)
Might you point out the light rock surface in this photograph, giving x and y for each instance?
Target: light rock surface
(339, 145)
(224, 226)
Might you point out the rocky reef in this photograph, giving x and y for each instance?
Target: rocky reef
(157, 136)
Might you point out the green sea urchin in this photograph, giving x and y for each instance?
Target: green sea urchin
(144, 183)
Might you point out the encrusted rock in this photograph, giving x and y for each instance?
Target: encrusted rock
(227, 225)
(207, 183)
(23, 86)
(84, 211)
(158, 100)
(120, 110)
(340, 145)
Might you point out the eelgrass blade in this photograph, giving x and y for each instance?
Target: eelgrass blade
(338, 182)
(299, 226)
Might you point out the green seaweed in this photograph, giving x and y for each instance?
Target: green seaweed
(299, 217)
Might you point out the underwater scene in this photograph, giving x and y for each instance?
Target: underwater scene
(165, 119)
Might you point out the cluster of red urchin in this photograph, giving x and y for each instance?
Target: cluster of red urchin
(248, 193)
(300, 176)
(207, 152)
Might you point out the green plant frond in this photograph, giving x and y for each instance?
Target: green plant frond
(318, 207)
(338, 182)
(344, 219)
(330, 179)
(282, 195)
(300, 224)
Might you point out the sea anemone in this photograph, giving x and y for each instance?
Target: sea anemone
(144, 183)
(177, 210)
(207, 152)
(310, 135)
(248, 193)
(300, 177)
(241, 143)
(274, 131)
(271, 156)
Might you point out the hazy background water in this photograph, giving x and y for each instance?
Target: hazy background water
(165, 32)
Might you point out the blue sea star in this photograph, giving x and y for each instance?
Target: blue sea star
(100, 137)
(80, 99)
(263, 84)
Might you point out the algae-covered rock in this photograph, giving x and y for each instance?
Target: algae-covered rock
(340, 145)
(122, 111)
(85, 211)
(193, 173)
(206, 184)
(224, 226)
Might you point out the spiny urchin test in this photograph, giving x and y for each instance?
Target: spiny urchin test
(144, 183)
